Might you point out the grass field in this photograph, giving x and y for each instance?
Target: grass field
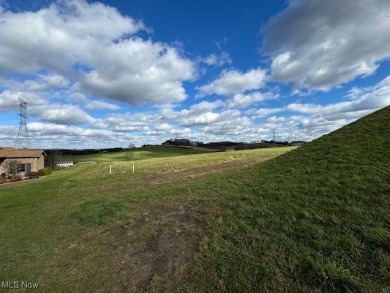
(72, 230)
(147, 152)
(314, 219)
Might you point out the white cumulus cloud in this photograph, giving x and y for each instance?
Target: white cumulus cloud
(317, 45)
(64, 114)
(216, 60)
(94, 49)
(232, 82)
(101, 105)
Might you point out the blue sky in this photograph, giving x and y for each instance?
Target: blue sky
(110, 73)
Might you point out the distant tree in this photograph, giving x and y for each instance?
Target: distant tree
(130, 156)
(178, 141)
(53, 157)
(10, 167)
(222, 149)
(132, 146)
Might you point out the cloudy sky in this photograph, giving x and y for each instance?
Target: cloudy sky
(110, 73)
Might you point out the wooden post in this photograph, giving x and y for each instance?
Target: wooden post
(133, 167)
(110, 169)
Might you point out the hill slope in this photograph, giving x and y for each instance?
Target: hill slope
(314, 219)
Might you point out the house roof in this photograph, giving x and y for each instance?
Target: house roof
(20, 153)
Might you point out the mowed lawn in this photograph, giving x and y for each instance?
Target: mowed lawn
(85, 230)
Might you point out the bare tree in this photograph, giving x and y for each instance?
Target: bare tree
(53, 157)
(10, 167)
(130, 156)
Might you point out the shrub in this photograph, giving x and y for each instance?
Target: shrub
(33, 175)
(16, 178)
(44, 171)
(2, 180)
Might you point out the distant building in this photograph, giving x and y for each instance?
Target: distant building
(298, 143)
(21, 161)
(65, 164)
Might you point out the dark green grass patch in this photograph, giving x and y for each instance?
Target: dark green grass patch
(98, 212)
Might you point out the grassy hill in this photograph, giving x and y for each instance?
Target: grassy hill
(315, 219)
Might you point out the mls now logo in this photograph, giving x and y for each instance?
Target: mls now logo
(17, 285)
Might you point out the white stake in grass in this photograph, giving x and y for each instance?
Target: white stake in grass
(110, 169)
(133, 167)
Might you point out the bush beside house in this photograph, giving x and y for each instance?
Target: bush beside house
(45, 171)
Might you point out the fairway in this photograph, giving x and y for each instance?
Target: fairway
(83, 229)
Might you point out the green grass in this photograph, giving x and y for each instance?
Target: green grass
(315, 219)
(62, 230)
(147, 152)
(97, 212)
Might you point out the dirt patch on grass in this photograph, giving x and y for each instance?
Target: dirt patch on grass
(153, 251)
(201, 171)
(163, 243)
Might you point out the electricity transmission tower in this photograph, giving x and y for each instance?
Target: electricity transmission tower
(274, 132)
(23, 139)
